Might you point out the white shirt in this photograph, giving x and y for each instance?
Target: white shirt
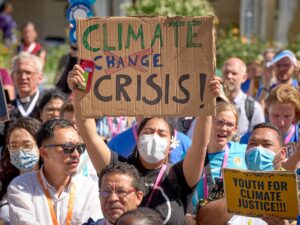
(28, 203)
(245, 220)
(4, 209)
(244, 125)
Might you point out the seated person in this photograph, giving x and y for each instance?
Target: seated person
(21, 155)
(85, 166)
(50, 103)
(27, 74)
(55, 194)
(121, 189)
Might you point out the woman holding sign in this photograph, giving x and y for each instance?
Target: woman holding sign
(222, 153)
(167, 187)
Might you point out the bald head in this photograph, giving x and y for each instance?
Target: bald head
(237, 62)
(234, 74)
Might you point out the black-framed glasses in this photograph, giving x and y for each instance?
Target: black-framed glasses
(68, 148)
(120, 193)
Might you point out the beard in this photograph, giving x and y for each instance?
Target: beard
(229, 88)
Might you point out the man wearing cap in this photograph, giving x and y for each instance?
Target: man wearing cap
(283, 66)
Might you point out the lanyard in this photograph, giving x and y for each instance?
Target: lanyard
(157, 182)
(31, 47)
(288, 138)
(50, 204)
(134, 130)
(209, 175)
(31, 105)
(114, 131)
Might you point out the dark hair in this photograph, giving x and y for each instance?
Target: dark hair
(273, 127)
(68, 106)
(145, 121)
(48, 96)
(8, 171)
(47, 129)
(124, 169)
(4, 6)
(143, 124)
(145, 215)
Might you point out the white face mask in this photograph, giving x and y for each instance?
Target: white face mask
(152, 148)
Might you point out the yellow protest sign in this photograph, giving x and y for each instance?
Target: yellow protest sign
(257, 193)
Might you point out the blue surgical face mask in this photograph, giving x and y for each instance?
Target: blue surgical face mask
(260, 159)
(24, 160)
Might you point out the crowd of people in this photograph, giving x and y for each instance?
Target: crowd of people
(58, 168)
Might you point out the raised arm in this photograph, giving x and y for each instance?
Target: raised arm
(98, 151)
(267, 79)
(194, 161)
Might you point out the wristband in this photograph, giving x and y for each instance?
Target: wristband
(266, 89)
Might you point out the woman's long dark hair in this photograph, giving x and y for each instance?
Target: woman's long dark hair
(8, 171)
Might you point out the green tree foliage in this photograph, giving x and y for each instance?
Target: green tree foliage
(169, 7)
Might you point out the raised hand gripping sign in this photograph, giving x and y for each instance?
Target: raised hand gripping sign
(147, 65)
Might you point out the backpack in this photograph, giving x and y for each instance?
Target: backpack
(249, 107)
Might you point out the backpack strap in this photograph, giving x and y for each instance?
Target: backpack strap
(249, 107)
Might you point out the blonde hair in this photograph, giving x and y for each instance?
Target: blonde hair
(222, 106)
(284, 94)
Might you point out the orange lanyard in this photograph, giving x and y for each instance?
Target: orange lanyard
(50, 204)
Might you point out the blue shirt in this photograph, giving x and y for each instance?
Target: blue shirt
(294, 84)
(246, 86)
(236, 160)
(124, 144)
(294, 138)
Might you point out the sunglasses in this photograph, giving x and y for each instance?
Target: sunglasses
(68, 148)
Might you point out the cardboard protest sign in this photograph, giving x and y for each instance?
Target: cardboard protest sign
(4, 116)
(257, 193)
(146, 66)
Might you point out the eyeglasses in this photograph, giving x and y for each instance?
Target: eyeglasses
(68, 148)
(120, 193)
(25, 145)
(221, 123)
(26, 72)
